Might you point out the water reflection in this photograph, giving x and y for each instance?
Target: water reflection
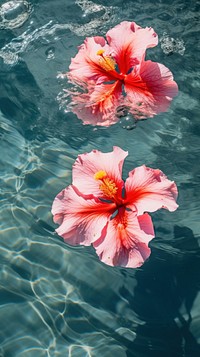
(167, 287)
(56, 300)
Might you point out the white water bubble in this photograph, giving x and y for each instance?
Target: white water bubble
(171, 45)
(50, 53)
(13, 14)
(9, 57)
(127, 122)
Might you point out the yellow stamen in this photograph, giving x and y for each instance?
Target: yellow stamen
(100, 52)
(100, 175)
(107, 185)
(106, 62)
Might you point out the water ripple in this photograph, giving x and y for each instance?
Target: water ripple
(14, 14)
(58, 300)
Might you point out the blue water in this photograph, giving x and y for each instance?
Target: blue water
(57, 300)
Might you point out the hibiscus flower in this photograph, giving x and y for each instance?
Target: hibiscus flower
(99, 208)
(106, 74)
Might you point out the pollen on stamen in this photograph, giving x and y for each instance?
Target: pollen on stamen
(100, 52)
(109, 188)
(100, 175)
(106, 62)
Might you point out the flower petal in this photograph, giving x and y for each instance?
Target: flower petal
(81, 222)
(85, 65)
(98, 105)
(88, 164)
(126, 245)
(129, 43)
(149, 190)
(149, 88)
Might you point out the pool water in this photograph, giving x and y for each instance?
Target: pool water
(57, 300)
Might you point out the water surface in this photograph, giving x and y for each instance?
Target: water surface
(57, 300)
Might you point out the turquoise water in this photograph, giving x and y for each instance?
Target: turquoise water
(57, 300)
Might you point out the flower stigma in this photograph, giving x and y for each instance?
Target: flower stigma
(100, 175)
(100, 52)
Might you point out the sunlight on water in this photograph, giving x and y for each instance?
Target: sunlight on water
(14, 14)
(57, 300)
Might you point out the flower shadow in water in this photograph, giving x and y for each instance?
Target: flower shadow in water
(167, 286)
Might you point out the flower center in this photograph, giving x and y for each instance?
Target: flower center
(107, 185)
(106, 62)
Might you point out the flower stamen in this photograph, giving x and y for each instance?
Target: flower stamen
(100, 175)
(106, 62)
(107, 185)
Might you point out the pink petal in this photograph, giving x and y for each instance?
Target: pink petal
(88, 164)
(150, 88)
(81, 222)
(85, 65)
(149, 190)
(98, 106)
(126, 245)
(146, 225)
(129, 43)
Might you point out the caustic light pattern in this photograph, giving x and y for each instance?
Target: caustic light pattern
(99, 208)
(107, 73)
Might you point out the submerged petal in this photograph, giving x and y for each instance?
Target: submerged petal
(125, 241)
(149, 190)
(98, 105)
(129, 43)
(103, 101)
(81, 222)
(89, 164)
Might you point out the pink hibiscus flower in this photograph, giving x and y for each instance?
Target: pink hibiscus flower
(115, 73)
(99, 208)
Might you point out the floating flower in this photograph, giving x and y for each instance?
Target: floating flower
(113, 73)
(99, 208)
